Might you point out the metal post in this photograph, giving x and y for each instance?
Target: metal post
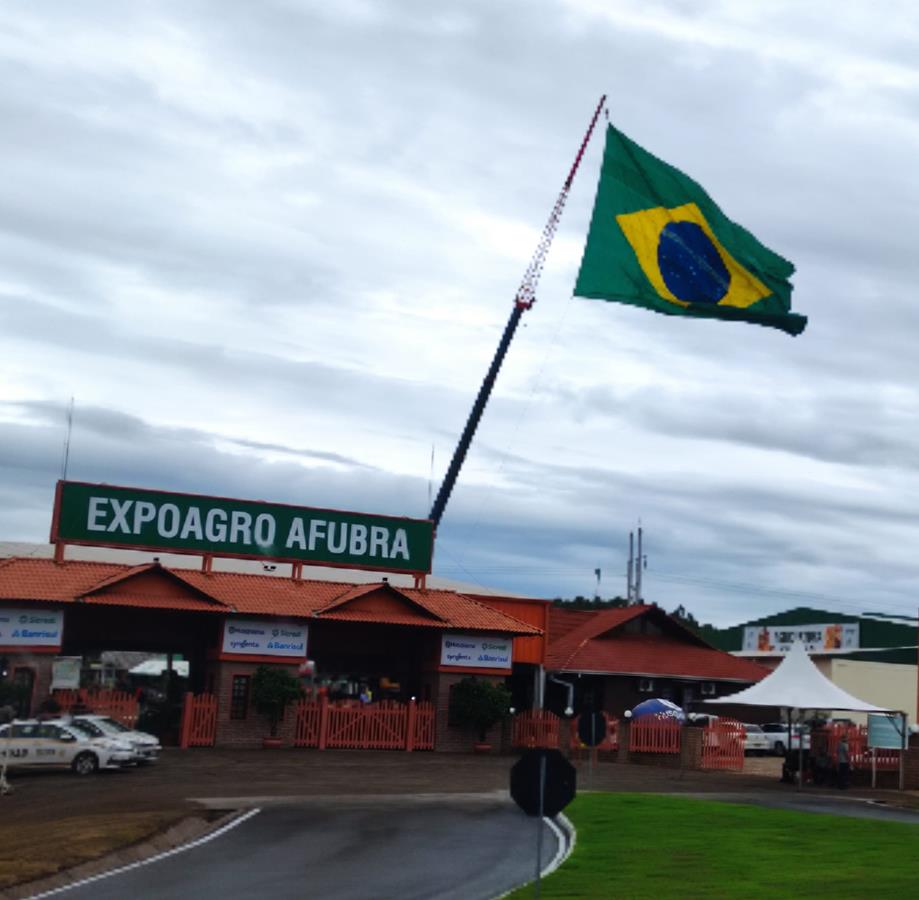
(526, 297)
(638, 598)
(904, 743)
(629, 594)
(539, 822)
(472, 423)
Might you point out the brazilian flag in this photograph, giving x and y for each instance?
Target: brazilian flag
(658, 240)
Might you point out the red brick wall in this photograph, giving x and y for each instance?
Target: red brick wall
(246, 732)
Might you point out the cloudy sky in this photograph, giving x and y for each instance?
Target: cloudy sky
(270, 248)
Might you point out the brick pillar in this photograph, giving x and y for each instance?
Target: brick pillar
(691, 748)
(625, 727)
(911, 765)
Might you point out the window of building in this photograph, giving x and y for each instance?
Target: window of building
(239, 697)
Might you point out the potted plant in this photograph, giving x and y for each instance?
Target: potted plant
(479, 705)
(273, 687)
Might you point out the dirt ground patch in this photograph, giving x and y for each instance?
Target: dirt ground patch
(35, 850)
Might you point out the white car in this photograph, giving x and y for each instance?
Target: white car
(33, 743)
(777, 732)
(146, 746)
(756, 740)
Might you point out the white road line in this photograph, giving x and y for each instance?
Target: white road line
(146, 862)
(565, 846)
(565, 843)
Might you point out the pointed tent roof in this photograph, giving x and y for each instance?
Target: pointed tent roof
(798, 684)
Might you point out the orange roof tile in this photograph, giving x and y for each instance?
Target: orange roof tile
(157, 587)
(598, 643)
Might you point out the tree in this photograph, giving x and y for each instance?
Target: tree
(479, 704)
(273, 688)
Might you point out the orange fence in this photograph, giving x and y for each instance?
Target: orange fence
(535, 728)
(387, 725)
(723, 742)
(610, 742)
(199, 721)
(654, 736)
(859, 751)
(119, 705)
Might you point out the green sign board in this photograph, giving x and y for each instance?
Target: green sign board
(138, 519)
(885, 732)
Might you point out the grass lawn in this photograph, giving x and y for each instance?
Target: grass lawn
(639, 845)
(29, 851)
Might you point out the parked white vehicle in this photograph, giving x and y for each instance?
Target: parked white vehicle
(777, 732)
(146, 746)
(33, 743)
(756, 740)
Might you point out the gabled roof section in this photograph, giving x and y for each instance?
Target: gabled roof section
(462, 612)
(159, 587)
(600, 643)
(381, 603)
(561, 651)
(151, 585)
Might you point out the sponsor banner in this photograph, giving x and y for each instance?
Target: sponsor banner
(264, 637)
(885, 732)
(31, 627)
(107, 516)
(475, 651)
(65, 673)
(779, 638)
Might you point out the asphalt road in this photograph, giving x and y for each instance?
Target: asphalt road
(448, 851)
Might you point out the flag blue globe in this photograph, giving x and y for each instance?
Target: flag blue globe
(658, 709)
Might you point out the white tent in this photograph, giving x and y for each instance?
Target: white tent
(798, 684)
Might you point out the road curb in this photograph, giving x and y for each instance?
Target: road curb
(566, 834)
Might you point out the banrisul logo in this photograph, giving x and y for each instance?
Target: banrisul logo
(191, 523)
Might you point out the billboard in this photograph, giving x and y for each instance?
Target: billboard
(22, 627)
(779, 638)
(885, 731)
(475, 651)
(264, 637)
(104, 515)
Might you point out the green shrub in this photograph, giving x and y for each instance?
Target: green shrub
(479, 704)
(273, 688)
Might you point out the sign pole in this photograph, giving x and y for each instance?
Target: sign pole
(539, 822)
(592, 751)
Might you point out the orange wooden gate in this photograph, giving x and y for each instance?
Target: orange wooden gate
(387, 725)
(535, 728)
(119, 705)
(199, 721)
(610, 742)
(655, 736)
(723, 743)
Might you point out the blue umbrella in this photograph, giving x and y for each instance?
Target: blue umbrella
(658, 709)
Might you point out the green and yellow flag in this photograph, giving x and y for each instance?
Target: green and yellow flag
(658, 240)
